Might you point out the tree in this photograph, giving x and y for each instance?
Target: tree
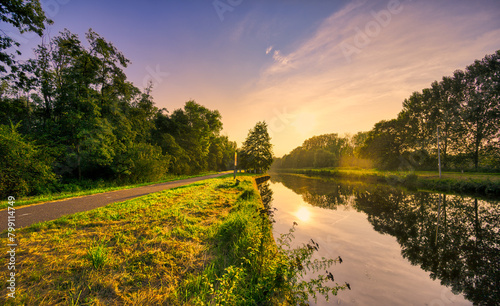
(194, 129)
(257, 152)
(384, 144)
(26, 16)
(481, 104)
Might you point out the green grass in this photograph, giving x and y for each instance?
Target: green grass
(207, 243)
(93, 190)
(484, 184)
(97, 254)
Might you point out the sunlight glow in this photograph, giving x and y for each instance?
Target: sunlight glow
(304, 123)
(303, 214)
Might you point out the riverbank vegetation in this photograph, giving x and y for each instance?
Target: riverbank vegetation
(466, 109)
(205, 243)
(485, 184)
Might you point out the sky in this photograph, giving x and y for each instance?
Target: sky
(305, 67)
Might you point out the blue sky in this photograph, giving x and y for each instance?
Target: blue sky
(306, 67)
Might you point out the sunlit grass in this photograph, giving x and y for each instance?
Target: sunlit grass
(112, 187)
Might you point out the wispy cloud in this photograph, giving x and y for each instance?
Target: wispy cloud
(269, 49)
(280, 58)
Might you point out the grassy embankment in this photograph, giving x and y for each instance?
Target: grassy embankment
(74, 190)
(206, 243)
(487, 184)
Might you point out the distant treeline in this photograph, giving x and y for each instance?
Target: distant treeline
(328, 150)
(70, 113)
(466, 109)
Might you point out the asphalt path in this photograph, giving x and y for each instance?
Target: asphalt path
(25, 216)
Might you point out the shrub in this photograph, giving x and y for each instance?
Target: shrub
(24, 168)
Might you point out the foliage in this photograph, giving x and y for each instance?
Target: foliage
(466, 109)
(192, 136)
(97, 254)
(24, 168)
(328, 150)
(26, 16)
(74, 99)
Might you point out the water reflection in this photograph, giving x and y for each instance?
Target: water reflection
(454, 238)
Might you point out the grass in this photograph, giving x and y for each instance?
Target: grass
(92, 190)
(484, 184)
(206, 243)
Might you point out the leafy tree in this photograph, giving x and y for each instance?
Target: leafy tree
(257, 153)
(384, 144)
(481, 104)
(194, 128)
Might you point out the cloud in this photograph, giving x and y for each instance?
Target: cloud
(280, 58)
(269, 49)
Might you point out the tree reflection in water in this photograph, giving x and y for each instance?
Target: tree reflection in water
(453, 237)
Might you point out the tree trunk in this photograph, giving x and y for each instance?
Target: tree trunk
(78, 161)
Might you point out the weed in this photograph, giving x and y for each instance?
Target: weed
(97, 254)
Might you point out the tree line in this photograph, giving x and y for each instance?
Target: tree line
(465, 107)
(70, 114)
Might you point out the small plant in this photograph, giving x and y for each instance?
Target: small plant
(98, 255)
(297, 262)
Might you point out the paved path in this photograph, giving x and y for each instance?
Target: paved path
(52, 210)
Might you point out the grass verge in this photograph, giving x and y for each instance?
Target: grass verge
(78, 191)
(484, 184)
(202, 244)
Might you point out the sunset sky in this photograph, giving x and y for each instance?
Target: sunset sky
(305, 67)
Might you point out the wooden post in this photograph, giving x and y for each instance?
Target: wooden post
(439, 153)
(235, 164)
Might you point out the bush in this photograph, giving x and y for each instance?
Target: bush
(143, 163)
(24, 168)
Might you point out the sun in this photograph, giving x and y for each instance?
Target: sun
(303, 214)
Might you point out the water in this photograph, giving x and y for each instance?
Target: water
(398, 247)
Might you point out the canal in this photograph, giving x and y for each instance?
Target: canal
(398, 247)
